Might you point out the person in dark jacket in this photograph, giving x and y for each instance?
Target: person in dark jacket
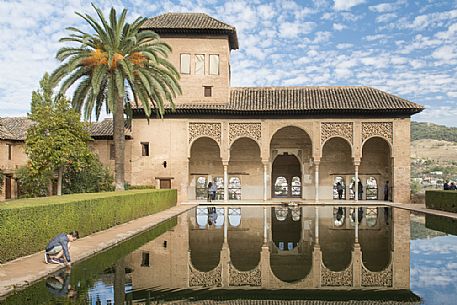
(58, 249)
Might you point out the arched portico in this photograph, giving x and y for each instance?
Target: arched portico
(205, 164)
(245, 164)
(376, 164)
(336, 162)
(291, 152)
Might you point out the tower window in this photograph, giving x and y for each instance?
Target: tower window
(214, 64)
(207, 92)
(185, 63)
(145, 149)
(10, 152)
(200, 64)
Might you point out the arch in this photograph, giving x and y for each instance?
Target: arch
(196, 139)
(245, 160)
(376, 246)
(245, 245)
(284, 168)
(204, 163)
(205, 247)
(337, 137)
(376, 162)
(234, 217)
(297, 128)
(290, 256)
(389, 143)
(371, 188)
(336, 161)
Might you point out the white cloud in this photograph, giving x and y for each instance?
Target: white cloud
(444, 53)
(338, 26)
(386, 17)
(342, 46)
(346, 5)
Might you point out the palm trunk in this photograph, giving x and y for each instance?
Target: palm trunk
(119, 143)
(59, 181)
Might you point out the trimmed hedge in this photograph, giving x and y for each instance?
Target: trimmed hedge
(26, 225)
(443, 224)
(441, 200)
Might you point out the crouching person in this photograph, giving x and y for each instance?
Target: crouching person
(58, 249)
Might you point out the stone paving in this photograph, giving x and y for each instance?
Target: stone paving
(24, 271)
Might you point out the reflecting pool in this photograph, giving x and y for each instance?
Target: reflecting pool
(269, 255)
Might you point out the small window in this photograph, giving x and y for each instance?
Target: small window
(214, 64)
(234, 188)
(219, 181)
(200, 64)
(111, 152)
(145, 149)
(10, 152)
(207, 91)
(281, 187)
(185, 63)
(145, 259)
(201, 189)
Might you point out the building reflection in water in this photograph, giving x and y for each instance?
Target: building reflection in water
(279, 247)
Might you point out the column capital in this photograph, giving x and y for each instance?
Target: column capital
(356, 162)
(265, 162)
(225, 163)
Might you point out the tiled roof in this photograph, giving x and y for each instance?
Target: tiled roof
(104, 129)
(191, 23)
(14, 128)
(316, 98)
(305, 100)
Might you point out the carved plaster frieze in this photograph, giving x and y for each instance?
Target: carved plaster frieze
(333, 129)
(381, 129)
(212, 278)
(248, 130)
(211, 130)
(377, 279)
(245, 278)
(332, 278)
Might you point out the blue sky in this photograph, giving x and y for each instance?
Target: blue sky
(407, 48)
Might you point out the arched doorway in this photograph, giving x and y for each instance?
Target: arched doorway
(286, 175)
(245, 170)
(376, 167)
(205, 165)
(336, 165)
(291, 150)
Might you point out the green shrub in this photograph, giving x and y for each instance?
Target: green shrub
(440, 223)
(139, 187)
(91, 177)
(26, 225)
(441, 200)
(32, 184)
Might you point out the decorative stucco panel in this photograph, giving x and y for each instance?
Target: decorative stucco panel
(212, 278)
(381, 129)
(211, 130)
(332, 278)
(245, 278)
(377, 279)
(249, 130)
(334, 129)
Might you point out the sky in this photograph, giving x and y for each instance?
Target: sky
(407, 48)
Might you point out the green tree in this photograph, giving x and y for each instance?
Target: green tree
(58, 138)
(117, 59)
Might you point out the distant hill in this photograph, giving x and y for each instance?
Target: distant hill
(432, 131)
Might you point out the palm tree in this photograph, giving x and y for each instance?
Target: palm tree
(107, 65)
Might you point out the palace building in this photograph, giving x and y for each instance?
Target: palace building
(257, 143)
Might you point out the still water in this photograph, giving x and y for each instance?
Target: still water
(269, 255)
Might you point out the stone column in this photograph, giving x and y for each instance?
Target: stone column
(357, 266)
(265, 226)
(265, 180)
(225, 261)
(356, 224)
(265, 266)
(316, 180)
(226, 194)
(356, 183)
(317, 260)
(225, 224)
(316, 225)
